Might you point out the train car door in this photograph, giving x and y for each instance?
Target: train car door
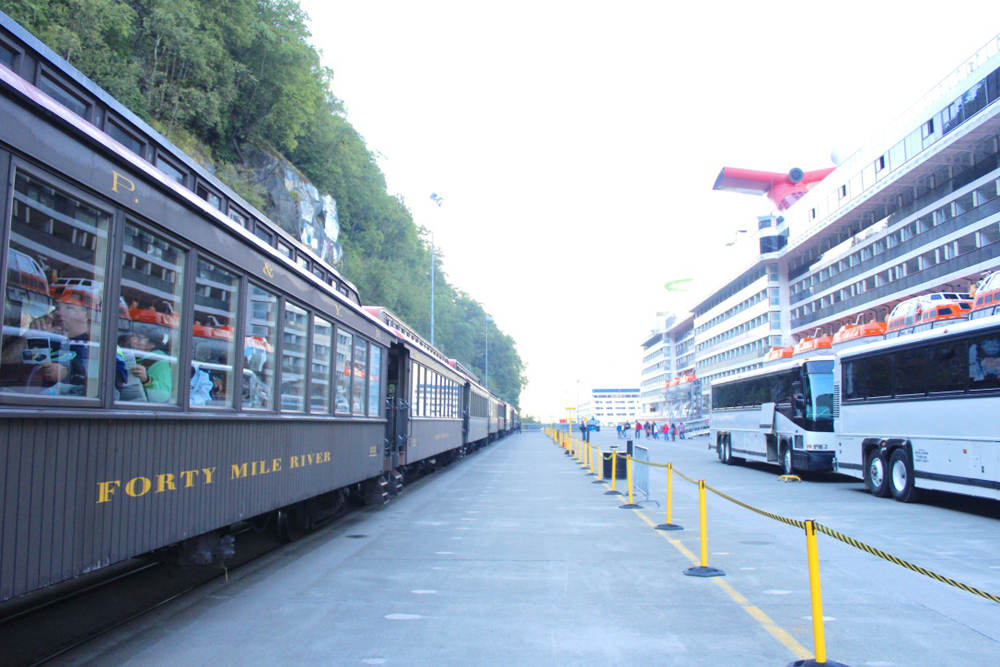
(397, 408)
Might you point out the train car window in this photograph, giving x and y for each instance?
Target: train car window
(345, 363)
(258, 349)
(216, 297)
(62, 94)
(213, 199)
(421, 392)
(7, 55)
(294, 349)
(322, 357)
(360, 376)
(239, 218)
(375, 382)
(170, 169)
(984, 362)
(261, 232)
(413, 389)
(149, 307)
(432, 391)
(124, 137)
(56, 258)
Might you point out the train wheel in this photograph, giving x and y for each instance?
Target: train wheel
(876, 477)
(786, 460)
(292, 522)
(901, 477)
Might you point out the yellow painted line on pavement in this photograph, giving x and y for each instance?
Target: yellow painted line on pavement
(782, 635)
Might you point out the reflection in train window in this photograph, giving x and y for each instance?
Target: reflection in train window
(360, 375)
(258, 349)
(216, 295)
(375, 382)
(293, 358)
(344, 365)
(149, 318)
(55, 284)
(321, 357)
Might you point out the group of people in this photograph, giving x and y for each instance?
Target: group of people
(670, 430)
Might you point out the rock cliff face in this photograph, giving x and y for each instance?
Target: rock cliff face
(297, 206)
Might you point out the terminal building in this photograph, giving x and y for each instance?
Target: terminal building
(611, 406)
(914, 211)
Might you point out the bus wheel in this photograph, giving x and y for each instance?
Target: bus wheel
(901, 477)
(786, 461)
(876, 477)
(727, 451)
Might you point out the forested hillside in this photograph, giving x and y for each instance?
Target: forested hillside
(221, 77)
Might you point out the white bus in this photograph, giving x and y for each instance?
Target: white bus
(778, 414)
(922, 412)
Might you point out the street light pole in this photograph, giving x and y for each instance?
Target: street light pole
(437, 199)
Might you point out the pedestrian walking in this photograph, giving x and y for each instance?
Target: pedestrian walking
(680, 430)
(673, 431)
(666, 431)
(619, 427)
(655, 431)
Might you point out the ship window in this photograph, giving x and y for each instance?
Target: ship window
(927, 129)
(974, 99)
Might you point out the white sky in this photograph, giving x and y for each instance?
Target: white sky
(575, 144)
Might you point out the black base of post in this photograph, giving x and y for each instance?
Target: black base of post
(812, 663)
(630, 506)
(591, 474)
(669, 526)
(613, 493)
(598, 481)
(704, 572)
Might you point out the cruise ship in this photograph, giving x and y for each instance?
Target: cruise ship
(914, 211)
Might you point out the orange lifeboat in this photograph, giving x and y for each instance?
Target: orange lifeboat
(776, 354)
(925, 312)
(811, 344)
(987, 296)
(850, 335)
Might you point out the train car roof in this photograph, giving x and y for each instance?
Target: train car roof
(72, 73)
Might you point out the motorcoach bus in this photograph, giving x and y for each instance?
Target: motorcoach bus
(921, 412)
(778, 414)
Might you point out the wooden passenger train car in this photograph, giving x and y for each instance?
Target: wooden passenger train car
(171, 361)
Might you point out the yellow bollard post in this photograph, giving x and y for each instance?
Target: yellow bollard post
(628, 471)
(670, 502)
(817, 599)
(704, 570)
(600, 467)
(614, 474)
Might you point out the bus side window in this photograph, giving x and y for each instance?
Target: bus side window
(984, 363)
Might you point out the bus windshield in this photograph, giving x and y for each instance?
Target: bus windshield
(819, 390)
